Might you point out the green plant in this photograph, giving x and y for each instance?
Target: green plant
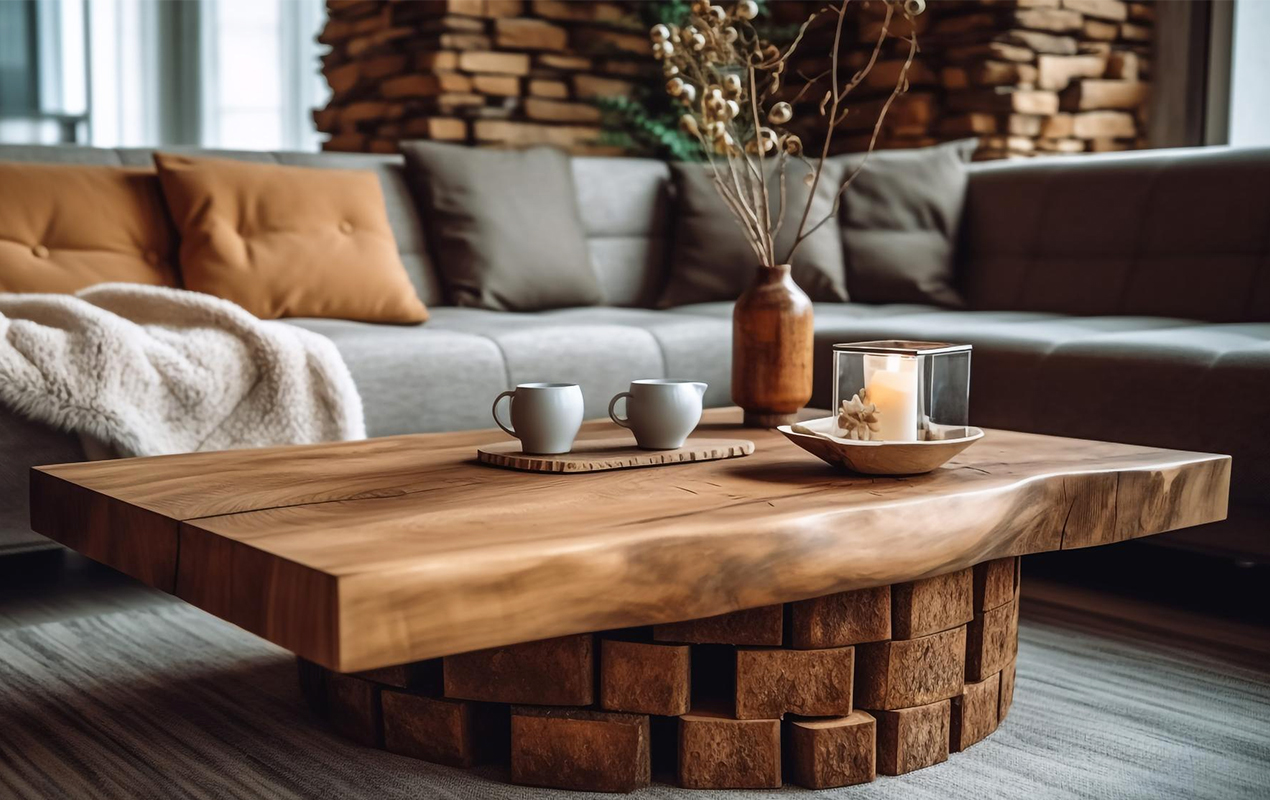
(646, 123)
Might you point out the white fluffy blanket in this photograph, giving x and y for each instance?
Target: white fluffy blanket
(148, 370)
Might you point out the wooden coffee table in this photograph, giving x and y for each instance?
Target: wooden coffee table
(730, 594)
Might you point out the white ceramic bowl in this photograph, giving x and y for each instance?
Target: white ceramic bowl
(882, 458)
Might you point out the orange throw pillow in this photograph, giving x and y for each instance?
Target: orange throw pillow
(65, 227)
(285, 241)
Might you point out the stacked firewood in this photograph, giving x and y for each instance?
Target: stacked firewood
(497, 72)
(1027, 77)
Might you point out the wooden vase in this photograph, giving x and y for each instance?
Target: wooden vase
(771, 349)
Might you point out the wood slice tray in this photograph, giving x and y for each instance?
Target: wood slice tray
(597, 455)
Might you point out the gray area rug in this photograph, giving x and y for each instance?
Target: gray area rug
(167, 701)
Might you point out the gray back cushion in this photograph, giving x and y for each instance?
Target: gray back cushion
(407, 225)
(1171, 233)
(625, 208)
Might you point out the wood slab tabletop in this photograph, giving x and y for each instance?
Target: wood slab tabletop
(365, 554)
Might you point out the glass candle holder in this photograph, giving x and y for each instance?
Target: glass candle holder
(918, 390)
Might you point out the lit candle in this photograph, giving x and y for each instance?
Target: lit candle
(891, 384)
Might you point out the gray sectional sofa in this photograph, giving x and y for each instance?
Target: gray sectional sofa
(1121, 297)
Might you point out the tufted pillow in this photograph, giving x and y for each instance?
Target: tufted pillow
(67, 227)
(288, 241)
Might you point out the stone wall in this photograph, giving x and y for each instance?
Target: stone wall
(1026, 76)
(485, 72)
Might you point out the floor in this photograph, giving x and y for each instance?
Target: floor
(1141, 674)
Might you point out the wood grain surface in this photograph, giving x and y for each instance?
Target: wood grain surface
(366, 554)
(620, 452)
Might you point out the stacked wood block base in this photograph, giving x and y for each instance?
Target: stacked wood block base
(820, 693)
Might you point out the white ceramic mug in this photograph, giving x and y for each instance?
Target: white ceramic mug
(661, 413)
(545, 417)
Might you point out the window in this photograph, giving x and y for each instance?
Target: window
(234, 74)
(1250, 64)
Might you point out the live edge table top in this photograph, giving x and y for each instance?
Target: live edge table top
(366, 554)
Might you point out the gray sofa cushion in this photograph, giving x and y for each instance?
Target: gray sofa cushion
(1177, 233)
(504, 226)
(417, 379)
(710, 259)
(624, 204)
(900, 218)
(25, 444)
(602, 349)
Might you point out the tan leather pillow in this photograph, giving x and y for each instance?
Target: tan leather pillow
(65, 227)
(286, 241)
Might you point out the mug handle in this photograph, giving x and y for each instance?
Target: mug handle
(626, 421)
(510, 393)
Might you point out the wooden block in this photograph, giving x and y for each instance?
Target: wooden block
(352, 708)
(1007, 692)
(645, 678)
(910, 672)
(812, 683)
(841, 619)
(1039, 42)
(559, 61)
(1005, 100)
(1056, 72)
(444, 129)
(930, 605)
(1001, 73)
(538, 108)
(425, 85)
(525, 133)
(912, 738)
(974, 713)
(1100, 30)
(994, 50)
(345, 143)
(1092, 94)
(990, 642)
(542, 87)
(825, 753)
(1027, 125)
(432, 729)
(383, 66)
(603, 41)
(566, 748)
(975, 123)
(344, 77)
(1012, 144)
(496, 85)
(1100, 9)
(993, 582)
(761, 626)
(1054, 20)
(500, 63)
(1103, 125)
(549, 672)
(530, 34)
(592, 86)
(1142, 12)
(437, 59)
(1134, 33)
(1060, 145)
(580, 12)
(1057, 126)
(719, 752)
(1124, 65)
